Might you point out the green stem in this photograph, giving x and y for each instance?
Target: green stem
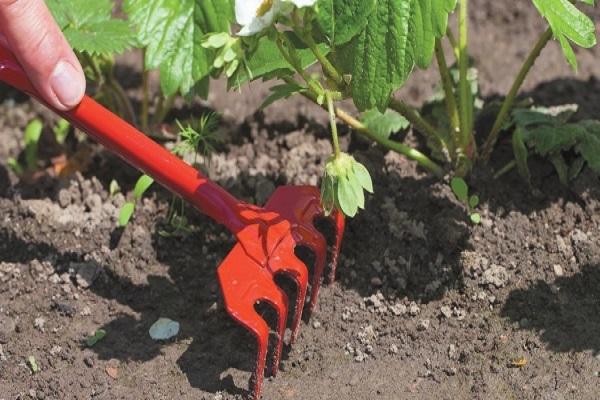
(417, 120)
(508, 167)
(512, 94)
(452, 40)
(328, 68)
(123, 98)
(164, 107)
(333, 123)
(466, 107)
(359, 127)
(449, 95)
(310, 82)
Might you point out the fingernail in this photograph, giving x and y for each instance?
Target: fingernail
(66, 84)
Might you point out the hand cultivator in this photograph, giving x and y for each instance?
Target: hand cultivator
(266, 236)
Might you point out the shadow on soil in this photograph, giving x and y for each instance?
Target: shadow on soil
(565, 313)
(406, 244)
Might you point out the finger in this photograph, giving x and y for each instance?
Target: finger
(43, 52)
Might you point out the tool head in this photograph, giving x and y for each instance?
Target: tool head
(264, 250)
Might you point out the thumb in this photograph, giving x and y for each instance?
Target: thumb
(32, 34)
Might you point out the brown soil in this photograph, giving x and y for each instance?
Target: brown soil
(426, 306)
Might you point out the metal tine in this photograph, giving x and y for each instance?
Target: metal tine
(293, 267)
(244, 283)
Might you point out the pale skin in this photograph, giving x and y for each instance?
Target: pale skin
(29, 31)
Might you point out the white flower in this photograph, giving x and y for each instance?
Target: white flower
(256, 15)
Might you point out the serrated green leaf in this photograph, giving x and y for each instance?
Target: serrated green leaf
(89, 26)
(126, 213)
(281, 92)
(568, 24)
(358, 190)
(142, 184)
(554, 139)
(173, 33)
(380, 57)
(363, 176)
(383, 125)
(460, 188)
(341, 20)
(428, 22)
(345, 197)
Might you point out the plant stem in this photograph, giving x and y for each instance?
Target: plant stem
(123, 98)
(145, 94)
(466, 106)
(512, 94)
(508, 167)
(359, 127)
(165, 105)
(417, 120)
(449, 95)
(398, 147)
(333, 123)
(452, 41)
(328, 67)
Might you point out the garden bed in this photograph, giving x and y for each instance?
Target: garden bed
(426, 304)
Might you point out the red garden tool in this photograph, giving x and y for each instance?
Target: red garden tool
(266, 236)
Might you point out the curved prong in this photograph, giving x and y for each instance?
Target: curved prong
(337, 217)
(244, 283)
(287, 263)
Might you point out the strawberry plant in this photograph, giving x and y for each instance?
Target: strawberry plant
(363, 50)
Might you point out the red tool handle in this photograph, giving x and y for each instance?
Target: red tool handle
(138, 150)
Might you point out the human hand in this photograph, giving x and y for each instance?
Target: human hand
(29, 30)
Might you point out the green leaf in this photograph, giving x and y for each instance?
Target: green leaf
(568, 24)
(589, 146)
(33, 364)
(363, 176)
(561, 167)
(576, 168)
(341, 20)
(14, 165)
(173, 32)
(358, 190)
(383, 125)
(380, 57)
(281, 92)
(267, 62)
(61, 130)
(142, 184)
(328, 194)
(126, 213)
(521, 154)
(33, 132)
(346, 198)
(475, 218)
(95, 338)
(553, 139)
(460, 188)
(474, 201)
(113, 187)
(428, 22)
(89, 26)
